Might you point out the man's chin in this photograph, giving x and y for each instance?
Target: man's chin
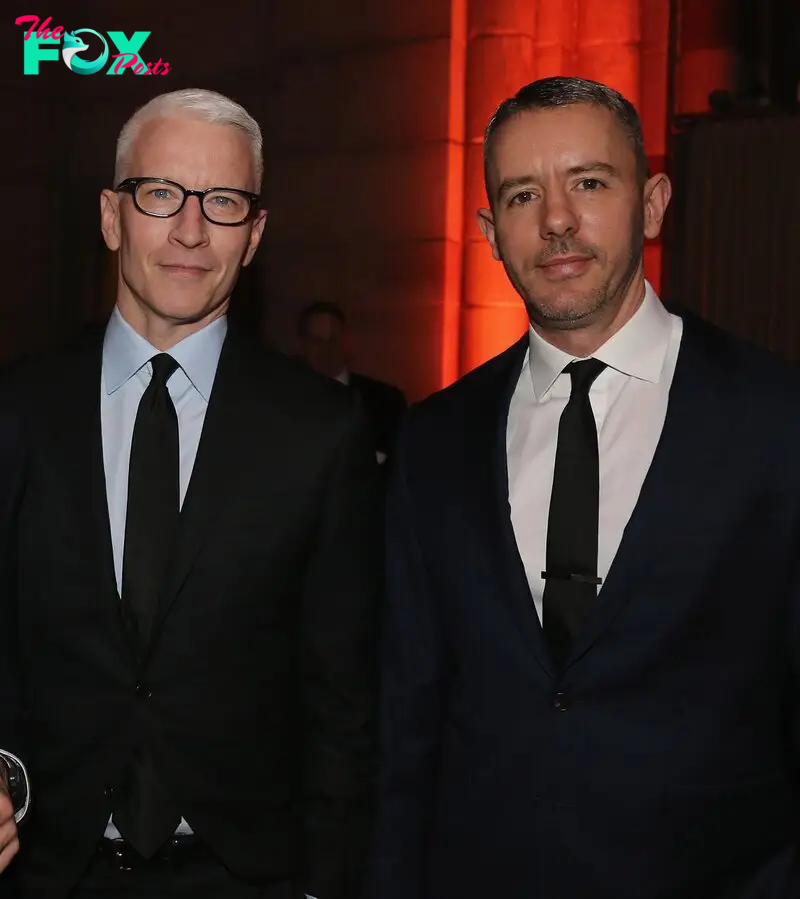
(184, 307)
(564, 313)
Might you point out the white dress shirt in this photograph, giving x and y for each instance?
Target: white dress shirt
(126, 374)
(629, 400)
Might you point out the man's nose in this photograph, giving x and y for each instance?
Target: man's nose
(558, 216)
(191, 227)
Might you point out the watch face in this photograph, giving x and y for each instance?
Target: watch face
(16, 789)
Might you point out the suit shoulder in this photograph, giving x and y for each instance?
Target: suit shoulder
(749, 366)
(298, 389)
(455, 403)
(376, 386)
(50, 370)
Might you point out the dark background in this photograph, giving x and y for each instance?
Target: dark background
(356, 102)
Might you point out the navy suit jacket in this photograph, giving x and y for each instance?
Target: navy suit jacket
(661, 763)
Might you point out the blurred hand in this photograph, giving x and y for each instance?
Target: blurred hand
(9, 842)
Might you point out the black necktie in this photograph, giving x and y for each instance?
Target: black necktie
(144, 815)
(151, 519)
(571, 577)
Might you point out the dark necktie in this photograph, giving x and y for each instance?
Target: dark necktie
(144, 815)
(151, 519)
(571, 577)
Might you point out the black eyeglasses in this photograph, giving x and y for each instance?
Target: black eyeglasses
(162, 198)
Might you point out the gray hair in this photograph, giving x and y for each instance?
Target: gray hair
(208, 106)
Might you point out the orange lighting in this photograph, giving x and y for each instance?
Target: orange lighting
(513, 42)
(500, 59)
(500, 45)
(707, 58)
(653, 99)
(608, 44)
(454, 213)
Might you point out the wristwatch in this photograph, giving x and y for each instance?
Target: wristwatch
(16, 786)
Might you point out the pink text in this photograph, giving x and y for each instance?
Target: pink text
(129, 60)
(42, 32)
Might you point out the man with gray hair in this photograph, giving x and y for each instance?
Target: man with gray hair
(196, 564)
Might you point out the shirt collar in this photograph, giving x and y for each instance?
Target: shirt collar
(638, 349)
(125, 351)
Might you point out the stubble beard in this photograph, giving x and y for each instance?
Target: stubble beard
(583, 307)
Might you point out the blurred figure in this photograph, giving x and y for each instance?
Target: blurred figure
(198, 573)
(323, 340)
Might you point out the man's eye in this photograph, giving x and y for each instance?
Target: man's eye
(591, 184)
(522, 198)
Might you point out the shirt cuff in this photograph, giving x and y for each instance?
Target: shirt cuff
(21, 790)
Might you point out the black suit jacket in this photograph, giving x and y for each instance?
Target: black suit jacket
(385, 406)
(661, 764)
(257, 696)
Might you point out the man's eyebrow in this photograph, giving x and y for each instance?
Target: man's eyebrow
(594, 166)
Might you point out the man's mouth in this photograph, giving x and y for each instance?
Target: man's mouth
(188, 271)
(567, 266)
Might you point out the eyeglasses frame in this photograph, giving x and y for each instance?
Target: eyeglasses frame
(130, 185)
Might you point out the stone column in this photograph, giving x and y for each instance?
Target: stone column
(653, 99)
(500, 59)
(608, 44)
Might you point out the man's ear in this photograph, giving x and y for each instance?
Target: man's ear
(256, 233)
(657, 194)
(109, 219)
(486, 224)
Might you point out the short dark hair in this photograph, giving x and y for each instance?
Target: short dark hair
(319, 308)
(551, 93)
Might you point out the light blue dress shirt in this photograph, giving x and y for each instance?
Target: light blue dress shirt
(126, 374)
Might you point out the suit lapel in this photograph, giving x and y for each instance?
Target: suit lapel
(79, 446)
(694, 431)
(491, 492)
(215, 475)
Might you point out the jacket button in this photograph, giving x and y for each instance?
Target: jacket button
(142, 692)
(109, 792)
(561, 702)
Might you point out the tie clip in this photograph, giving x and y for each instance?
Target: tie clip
(576, 578)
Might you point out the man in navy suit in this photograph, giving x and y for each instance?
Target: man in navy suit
(591, 647)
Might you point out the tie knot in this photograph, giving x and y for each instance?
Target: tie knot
(584, 373)
(164, 366)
